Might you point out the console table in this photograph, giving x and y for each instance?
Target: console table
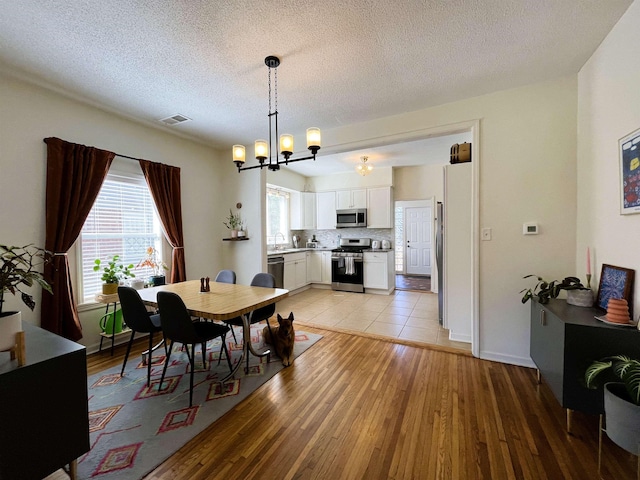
(565, 340)
(44, 415)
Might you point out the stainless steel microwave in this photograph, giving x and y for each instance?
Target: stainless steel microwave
(351, 217)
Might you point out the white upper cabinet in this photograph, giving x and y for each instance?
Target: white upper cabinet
(380, 207)
(351, 199)
(326, 210)
(303, 210)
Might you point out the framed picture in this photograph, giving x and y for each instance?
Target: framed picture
(629, 149)
(615, 282)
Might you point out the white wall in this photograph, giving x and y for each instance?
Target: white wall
(527, 172)
(608, 109)
(30, 113)
(379, 177)
(416, 183)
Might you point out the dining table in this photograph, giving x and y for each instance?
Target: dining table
(223, 301)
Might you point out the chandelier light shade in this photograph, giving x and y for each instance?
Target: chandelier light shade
(363, 168)
(264, 152)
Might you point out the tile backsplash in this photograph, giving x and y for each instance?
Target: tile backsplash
(329, 238)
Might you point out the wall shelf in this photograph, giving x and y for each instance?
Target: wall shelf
(235, 239)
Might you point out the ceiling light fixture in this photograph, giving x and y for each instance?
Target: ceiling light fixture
(362, 168)
(263, 149)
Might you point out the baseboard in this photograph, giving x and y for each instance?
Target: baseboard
(510, 359)
(459, 338)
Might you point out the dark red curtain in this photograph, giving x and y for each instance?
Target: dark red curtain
(164, 184)
(75, 174)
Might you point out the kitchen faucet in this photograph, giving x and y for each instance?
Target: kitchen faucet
(275, 240)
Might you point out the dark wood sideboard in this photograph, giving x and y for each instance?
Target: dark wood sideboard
(44, 419)
(565, 340)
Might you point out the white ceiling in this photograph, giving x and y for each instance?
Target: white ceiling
(343, 61)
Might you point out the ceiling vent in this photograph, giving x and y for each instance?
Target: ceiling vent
(175, 119)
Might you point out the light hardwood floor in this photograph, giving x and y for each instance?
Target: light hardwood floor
(353, 407)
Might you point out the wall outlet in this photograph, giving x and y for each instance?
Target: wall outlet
(486, 234)
(530, 228)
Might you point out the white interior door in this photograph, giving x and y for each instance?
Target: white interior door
(418, 237)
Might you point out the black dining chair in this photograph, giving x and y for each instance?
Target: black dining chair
(228, 276)
(263, 313)
(178, 326)
(139, 320)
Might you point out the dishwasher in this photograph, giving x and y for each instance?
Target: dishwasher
(275, 266)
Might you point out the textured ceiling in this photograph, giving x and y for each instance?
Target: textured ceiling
(343, 61)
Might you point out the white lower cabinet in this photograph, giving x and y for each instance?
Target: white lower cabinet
(379, 271)
(295, 270)
(319, 267)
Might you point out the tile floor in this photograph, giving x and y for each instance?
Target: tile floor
(404, 315)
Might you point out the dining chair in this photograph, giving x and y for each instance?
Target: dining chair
(263, 313)
(178, 326)
(139, 320)
(228, 276)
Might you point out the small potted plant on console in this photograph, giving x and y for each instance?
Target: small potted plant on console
(546, 290)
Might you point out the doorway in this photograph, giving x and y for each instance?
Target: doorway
(414, 253)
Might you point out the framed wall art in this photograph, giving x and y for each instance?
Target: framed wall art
(615, 282)
(629, 150)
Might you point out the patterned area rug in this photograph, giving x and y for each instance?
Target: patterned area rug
(133, 429)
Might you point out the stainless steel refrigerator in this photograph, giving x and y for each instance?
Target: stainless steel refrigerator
(440, 257)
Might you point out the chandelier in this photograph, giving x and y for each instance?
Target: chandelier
(263, 148)
(362, 168)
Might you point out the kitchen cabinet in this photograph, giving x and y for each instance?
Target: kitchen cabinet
(303, 210)
(295, 270)
(379, 271)
(565, 340)
(326, 210)
(314, 267)
(380, 207)
(319, 267)
(351, 199)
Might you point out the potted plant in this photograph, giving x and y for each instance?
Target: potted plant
(153, 261)
(112, 272)
(233, 223)
(18, 270)
(546, 290)
(621, 399)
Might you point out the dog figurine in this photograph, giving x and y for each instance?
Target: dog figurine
(284, 337)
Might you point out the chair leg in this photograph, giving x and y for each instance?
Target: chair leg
(269, 327)
(149, 358)
(234, 334)
(222, 346)
(166, 362)
(126, 355)
(226, 352)
(193, 357)
(204, 353)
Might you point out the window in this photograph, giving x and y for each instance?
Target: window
(124, 222)
(277, 216)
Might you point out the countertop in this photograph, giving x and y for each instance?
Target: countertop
(284, 251)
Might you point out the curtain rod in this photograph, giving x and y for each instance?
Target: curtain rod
(116, 154)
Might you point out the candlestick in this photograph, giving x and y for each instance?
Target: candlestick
(588, 280)
(588, 261)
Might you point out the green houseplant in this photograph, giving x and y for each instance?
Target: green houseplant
(18, 269)
(233, 223)
(112, 272)
(546, 290)
(621, 399)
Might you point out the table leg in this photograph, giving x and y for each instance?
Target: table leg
(113, 326)
(569, 413)
(73, 469)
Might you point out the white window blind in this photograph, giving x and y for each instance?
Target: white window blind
(277, 215)
(124, 222)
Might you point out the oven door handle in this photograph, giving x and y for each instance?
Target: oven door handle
(357, 259)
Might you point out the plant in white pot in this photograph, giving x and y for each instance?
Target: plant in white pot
(621, 399)
(18, 270)
(112, 272)
(233, 223)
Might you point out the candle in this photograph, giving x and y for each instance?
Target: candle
(588, 262)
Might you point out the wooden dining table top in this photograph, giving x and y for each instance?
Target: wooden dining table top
(223, 302)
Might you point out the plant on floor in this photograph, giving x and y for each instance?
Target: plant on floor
(18, 270)
(546, 290)
(623, 367)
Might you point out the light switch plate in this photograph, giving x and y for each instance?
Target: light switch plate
(530, 228)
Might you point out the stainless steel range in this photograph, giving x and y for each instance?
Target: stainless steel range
(347, 270)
